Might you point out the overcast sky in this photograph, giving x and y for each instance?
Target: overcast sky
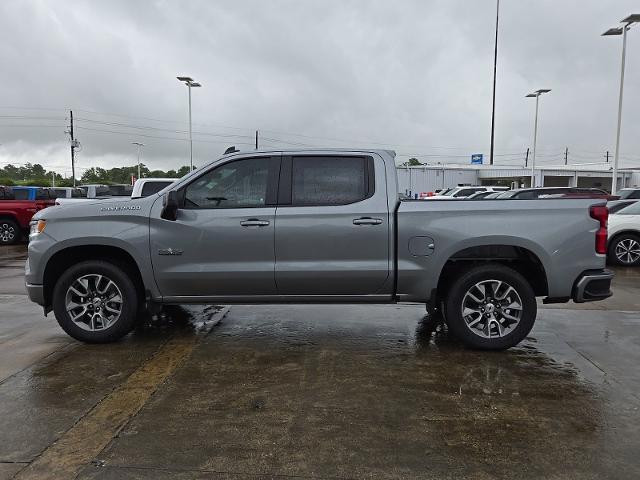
(413, 76)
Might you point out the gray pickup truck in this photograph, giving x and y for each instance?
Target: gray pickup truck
(315, 226)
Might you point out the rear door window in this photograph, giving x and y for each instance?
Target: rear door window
(317, 180)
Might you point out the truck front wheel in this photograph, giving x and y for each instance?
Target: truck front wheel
(95, 302)
(490, 307)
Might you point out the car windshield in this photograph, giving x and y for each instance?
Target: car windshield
(449, 192)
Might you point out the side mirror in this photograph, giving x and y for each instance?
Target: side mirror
(170, 206)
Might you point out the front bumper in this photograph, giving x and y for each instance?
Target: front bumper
(592, 285)
(36, 293)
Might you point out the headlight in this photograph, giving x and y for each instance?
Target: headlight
(36, 227)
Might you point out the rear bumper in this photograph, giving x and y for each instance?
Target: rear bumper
(592, 285)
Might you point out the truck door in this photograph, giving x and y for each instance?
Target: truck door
(332, 226)
(222, 243)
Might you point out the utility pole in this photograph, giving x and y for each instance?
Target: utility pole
(495, 64)
(256, 139)
(526, 158)
(566, 154)
(53, 179)
(607, 156)
(74, 145)
(139, 145)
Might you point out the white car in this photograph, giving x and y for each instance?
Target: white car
(67, 192)
(148, 186)
(464, 192)
(624, 236)
(93, 193)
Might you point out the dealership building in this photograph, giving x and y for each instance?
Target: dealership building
(428, 178)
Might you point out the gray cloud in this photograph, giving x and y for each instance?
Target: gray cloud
(413, 74)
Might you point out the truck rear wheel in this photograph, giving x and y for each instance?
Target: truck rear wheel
(491, 307)
(95, 302)
(10, 232)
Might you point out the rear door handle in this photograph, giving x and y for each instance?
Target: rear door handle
(367, 221)
(254, 222)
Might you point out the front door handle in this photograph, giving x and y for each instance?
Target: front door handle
(367, 221)
(254, 222)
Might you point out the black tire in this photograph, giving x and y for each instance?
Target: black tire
(628, 242)
(512, 332)
(128, 308)
(10, 232)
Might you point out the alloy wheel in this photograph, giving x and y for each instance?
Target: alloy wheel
(628, 251)
(94, 302)
(7, 232)
(492, 308)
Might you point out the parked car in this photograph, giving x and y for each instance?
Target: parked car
(482, 195)
(67, 192)
(464, 192)
(94, 193)
(624, 236)
(148, 186)
(556, 192)
(15, 214)
(629, 193)
(320, 227)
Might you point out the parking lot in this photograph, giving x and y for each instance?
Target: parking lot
(319, 392)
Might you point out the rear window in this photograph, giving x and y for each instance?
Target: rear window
(78, 193)
(330, 180)
(120, 190)
(633, 209)
(149, 188)
(616, 207)
(6, 193)
(42, 194)
(630, 194)
(21, 194)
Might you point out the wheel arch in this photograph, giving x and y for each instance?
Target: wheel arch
(519, 258)
(66, 257)
(623, 232)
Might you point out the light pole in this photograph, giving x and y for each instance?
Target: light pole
(536, 94)
(493, 100)
(189, 82)
(627, 22)
(139, 145)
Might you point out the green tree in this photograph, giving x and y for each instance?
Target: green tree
(412, 162)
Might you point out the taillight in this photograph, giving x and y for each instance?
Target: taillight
(600, 213)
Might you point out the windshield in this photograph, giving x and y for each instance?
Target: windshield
(448, 192)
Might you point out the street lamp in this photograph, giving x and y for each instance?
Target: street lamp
(139, 145)
(536, 94)
(627, 22)
(189, 82)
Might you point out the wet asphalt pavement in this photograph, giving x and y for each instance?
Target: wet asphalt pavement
(284, 392)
